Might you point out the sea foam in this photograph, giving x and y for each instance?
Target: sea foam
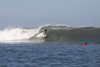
(17, 34)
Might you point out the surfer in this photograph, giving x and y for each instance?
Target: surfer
(45, 33)
(84, 44)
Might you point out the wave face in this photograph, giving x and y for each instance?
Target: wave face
(49, 33)
(64, 33)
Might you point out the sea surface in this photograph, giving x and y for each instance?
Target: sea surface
(55, 54)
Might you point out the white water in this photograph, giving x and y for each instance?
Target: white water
(18, 34)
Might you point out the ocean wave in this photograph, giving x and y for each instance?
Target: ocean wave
(51, 33)
(65, 33)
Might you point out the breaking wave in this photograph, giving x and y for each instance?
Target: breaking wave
(69, 34)
(16, 34)
(50, 33)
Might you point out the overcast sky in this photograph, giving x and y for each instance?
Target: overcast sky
(30, 13)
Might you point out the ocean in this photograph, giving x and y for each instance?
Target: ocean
(58, 54)
(50, 46)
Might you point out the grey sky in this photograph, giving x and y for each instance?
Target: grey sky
(30, 13)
